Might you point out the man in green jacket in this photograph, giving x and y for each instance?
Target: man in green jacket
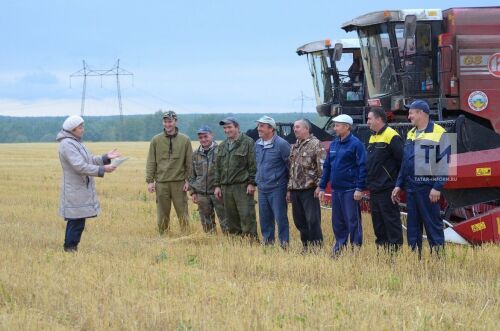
(235, 169)
(167, 171)
(201, 182)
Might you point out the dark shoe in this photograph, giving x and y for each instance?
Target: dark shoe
(71, 249)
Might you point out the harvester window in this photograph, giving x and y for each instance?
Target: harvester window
(378, 63)
(423, 38)
(417, 59)
(319, 67)
(355, 70)
(351, 75)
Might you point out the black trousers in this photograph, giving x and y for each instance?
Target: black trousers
(307, 216)
(386, 220)
(74, 229)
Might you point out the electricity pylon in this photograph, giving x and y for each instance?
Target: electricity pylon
(114, 71)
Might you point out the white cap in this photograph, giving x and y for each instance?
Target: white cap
(343, 118)
(72, 122)
(267, 120)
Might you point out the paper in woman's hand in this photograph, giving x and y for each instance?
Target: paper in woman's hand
(119, 160)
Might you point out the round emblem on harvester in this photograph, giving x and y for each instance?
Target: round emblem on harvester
(478, 100)
(494, 65)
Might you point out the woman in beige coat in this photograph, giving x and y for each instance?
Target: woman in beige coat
(78, 193)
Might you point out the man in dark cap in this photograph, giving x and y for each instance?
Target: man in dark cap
(168, 168)
(201, 182)
(423, 188)
(235, 170)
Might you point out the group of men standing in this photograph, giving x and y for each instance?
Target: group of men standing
(222, 180)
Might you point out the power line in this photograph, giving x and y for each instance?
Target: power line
(86, 71)
(302, 98)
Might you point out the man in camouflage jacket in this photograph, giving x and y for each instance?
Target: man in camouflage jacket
(306, 158)
(201, 182)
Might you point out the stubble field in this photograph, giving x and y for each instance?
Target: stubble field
(127, 277)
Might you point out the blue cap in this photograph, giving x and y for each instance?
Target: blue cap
(229, 120)
(419, 104)
(204, 129)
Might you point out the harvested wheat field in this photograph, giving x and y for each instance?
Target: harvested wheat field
(125, 276)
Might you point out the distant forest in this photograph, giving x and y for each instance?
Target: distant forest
(129, 127)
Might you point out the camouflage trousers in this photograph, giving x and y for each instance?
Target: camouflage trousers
(208, 206)
(240, 210)
(167, 194)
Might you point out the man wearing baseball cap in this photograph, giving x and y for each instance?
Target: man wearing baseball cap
(202, 180)
(423, 189)
(235, 179)
(344, 169)
(168, 168)
(272, 152)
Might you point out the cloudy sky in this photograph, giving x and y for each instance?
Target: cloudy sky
(192, 56)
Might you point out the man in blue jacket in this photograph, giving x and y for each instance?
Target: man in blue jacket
(272, 152)
(423, 189)
(344, 168)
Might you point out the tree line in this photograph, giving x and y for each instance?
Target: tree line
(130, 127)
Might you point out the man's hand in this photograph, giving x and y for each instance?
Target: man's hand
(218, 193)
(109, 168)
(113, 154)
(194, 197)
(357, 195)
(434, 195)
(395, 195)
(288, 197)
(250, 189)
(185, 188)
(318, 193)
(151, 187)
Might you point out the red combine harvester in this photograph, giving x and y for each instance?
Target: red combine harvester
(451, 59)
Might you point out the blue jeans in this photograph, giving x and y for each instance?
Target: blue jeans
(346, 220)
(273, 207)
(74, 229)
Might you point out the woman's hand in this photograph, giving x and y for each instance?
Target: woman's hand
(109, 168)
(113, 154)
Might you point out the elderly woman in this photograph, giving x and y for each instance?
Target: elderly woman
(78, 193)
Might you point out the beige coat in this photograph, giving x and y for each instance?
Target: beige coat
(78, 193)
